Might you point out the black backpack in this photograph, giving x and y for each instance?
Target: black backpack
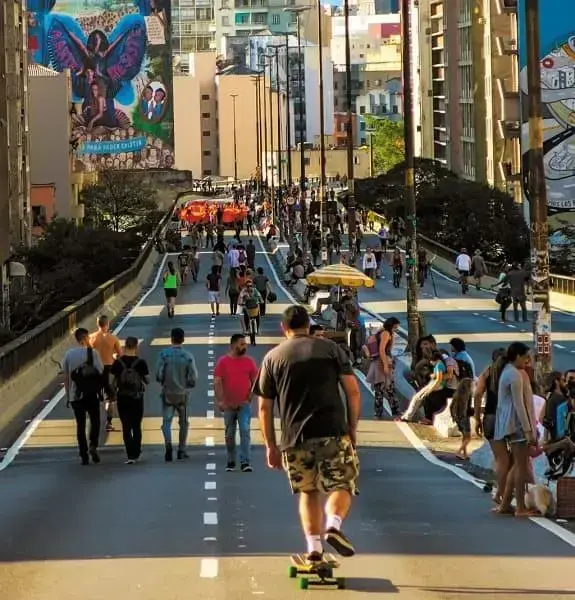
(130, 383)
(88, 381)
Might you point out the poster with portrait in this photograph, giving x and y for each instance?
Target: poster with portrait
(557, 64)
(119, 56)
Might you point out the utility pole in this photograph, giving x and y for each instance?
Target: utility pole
(265, 131)
(350, 184)
(410, 206)
(278, 203)
(272, 189)
(537, 201)
(322, 198)
(233, 97)
(256, 80)
(288, 120)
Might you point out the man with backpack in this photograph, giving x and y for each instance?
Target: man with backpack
(130, 377)
(177, 373)
(83, 382)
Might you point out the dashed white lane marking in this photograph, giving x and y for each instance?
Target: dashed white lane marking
(212, 499)
(559, 346)
(211, 364)
(511, 326)
(492, 319)
(212, 326)
(210, 441)
(211, 453)
(212, 474)
(210, 414)
(211, 393)
(211, 467)
(475, 314)
(209, 485)
(210, 352)
(210, 539)
(210, 518)
(209, 568)
(210, 377)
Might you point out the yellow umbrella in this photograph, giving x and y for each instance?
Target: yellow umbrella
(342, 275)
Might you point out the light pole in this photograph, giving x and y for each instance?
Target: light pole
(272, 189)
(321, 121)
(370, 133)
(537, 201)
(410, 207)
(298, 11)
(288, 120)
(256, 80)
(350, 186)
(265, 129)
(233, 97)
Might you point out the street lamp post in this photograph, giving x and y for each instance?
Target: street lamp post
(350, 183)
(537, 201)
(322, 198)
(256, 80)
(410, 207)
(233, 97)
(265, 128)
(288, 120)
(276, 49)
(272, 189)
(298, 10)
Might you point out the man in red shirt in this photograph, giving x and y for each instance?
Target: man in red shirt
(234, 377)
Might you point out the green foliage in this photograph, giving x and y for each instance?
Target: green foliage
(388, 143)
(120, 202)
(67, 263)
(453, 211)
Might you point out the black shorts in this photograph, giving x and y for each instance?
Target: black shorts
(171, 292)
(489, 427)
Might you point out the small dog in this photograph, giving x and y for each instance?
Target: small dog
(539, 497)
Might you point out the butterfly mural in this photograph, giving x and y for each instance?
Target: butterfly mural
(37, 12)
(116, 60)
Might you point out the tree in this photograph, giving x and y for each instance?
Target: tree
(120, 202)
(388, 143)
(453, 211)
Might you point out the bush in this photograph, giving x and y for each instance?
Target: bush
(453, 211)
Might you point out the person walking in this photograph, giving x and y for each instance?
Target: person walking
(177, 373)
(303, 375)
(130, 376)
(262, 285)
(83, 383)
(234, 377)
(213, 282)
(171, 284)
(109, 348)
(233, 291)
(251, 254)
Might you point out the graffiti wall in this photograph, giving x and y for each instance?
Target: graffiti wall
(557, 62)
(119, 56)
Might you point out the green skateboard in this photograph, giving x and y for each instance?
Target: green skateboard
(316, 574)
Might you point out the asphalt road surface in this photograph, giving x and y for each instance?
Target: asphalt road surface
(190, 530)
(473, 317)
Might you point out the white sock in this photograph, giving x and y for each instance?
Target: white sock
(314, 543)
(333, 521)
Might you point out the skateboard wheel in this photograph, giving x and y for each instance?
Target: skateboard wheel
(341, 584)
(303, 583)
(292, 572)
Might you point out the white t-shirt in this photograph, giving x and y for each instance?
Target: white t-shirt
(369, 261)
(463, 262)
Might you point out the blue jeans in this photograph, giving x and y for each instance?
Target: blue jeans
(168, 413)
(232, 418)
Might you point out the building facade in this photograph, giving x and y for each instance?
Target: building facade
(51, 147)
(193, 30)
(469, 89)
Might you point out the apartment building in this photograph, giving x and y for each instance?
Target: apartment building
(193, 30)
(375, 42)
(469, 89)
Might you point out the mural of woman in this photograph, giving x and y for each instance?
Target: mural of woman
(99, 111)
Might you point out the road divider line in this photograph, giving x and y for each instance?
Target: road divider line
(210, 414)
(211, 393)
(210, 518)
(211, 363)
(209, 485)
(209, 568)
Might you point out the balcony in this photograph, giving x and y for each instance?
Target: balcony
(509, 6)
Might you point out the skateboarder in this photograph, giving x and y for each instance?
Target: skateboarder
(318, 440)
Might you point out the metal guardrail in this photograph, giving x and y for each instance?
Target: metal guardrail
(22, 351)
(560, 283)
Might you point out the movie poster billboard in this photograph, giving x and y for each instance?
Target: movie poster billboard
(557, 64)
(119, 56)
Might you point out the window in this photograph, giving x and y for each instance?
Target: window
(275, 19)
(363, 141)
(205, 115)
(205, 97)
(395, 109)
(225, 21)
(206, 133)
(207, 152)
(306, 161)
(356, 160)
(362, 110)
(362, 124)
(38, 216)
(259, 18)
(207, 172)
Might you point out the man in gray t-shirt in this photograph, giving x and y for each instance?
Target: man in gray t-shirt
(85, 400)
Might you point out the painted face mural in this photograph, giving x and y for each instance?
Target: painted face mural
(115, 53)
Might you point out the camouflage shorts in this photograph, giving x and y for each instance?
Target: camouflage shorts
(322, 465)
